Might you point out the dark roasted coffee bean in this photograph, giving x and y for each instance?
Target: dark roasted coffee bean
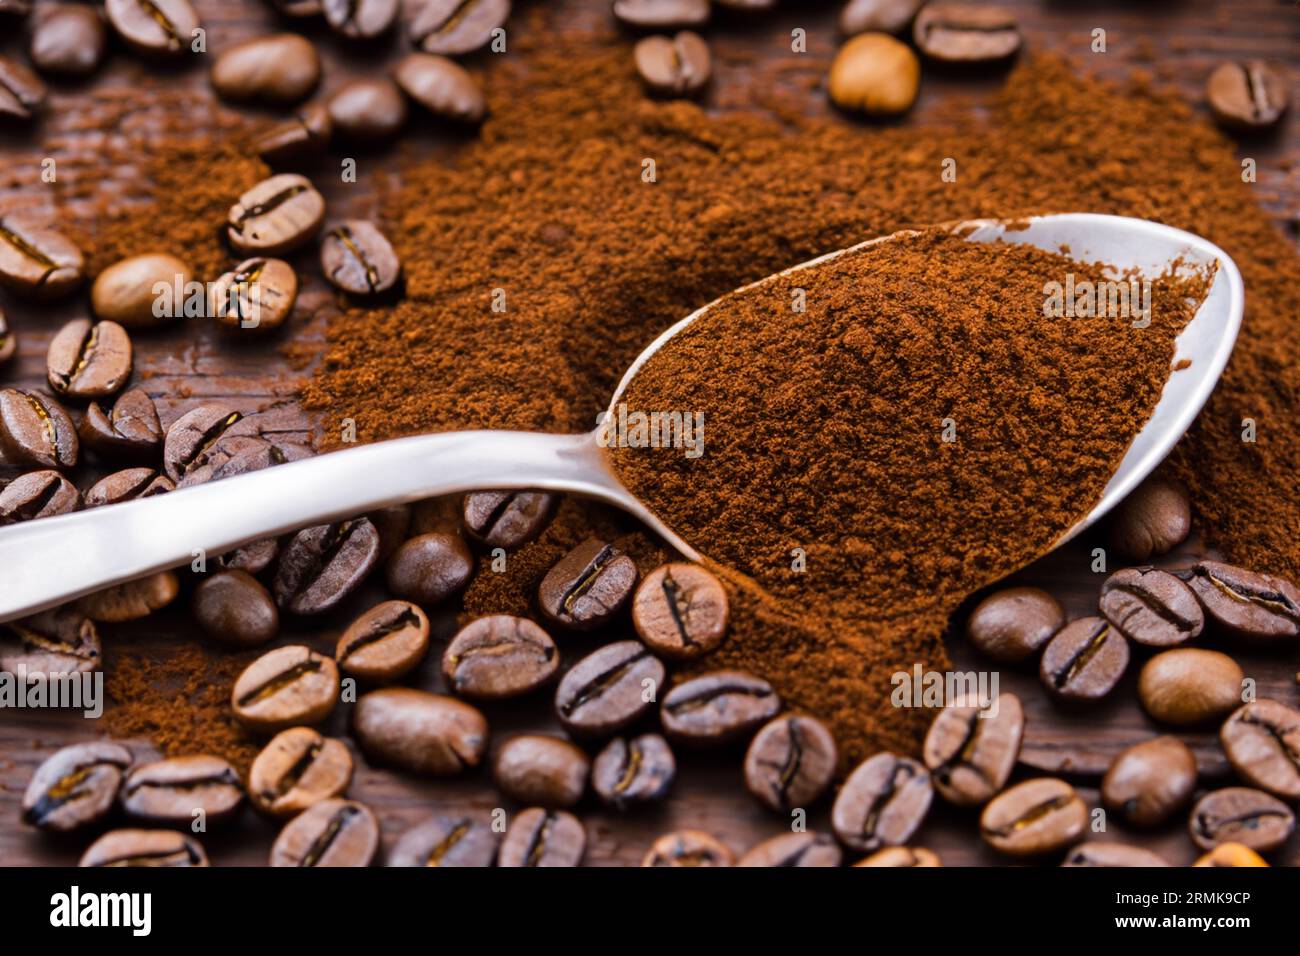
(794, 849)
(299, 139)
(1246, 604)
(441, 86)
(68, 39)
(420, 732)
(452, 27)
(1034, 818)
(368, 110)
(276, 216)
(253, 558)
(285, 687)
(588, 586)
(298, 769)
(877, 16)
(1247, 96)
(966, 33)
(688, 848)
(1231, 854)
(8, 341)
(127, 291)
(630, 772)
(38, 494)
(790, 762)
(680, 611)
(1151, 781)
(130, 431)
(360, 19)
(538, 837)
(35, 430)
(499, 656)
(154, 27)
(232, 607)
(608, 689)
(334, 832)
(1188, 686)
(61, 641)
(447, 841)
(385, 643)
(37, 262)
(321, 566)
(1012, 624)
(1112, 855)
(1151, 607)
(718, 707)
(661, 14)
(174, 791)
(430, 568)
(357, 258)
(1252, 818)
(1084, 661)
(144, 848)
(507, 519)
(277, 69)
(1153, 519)
(127, 485)
(132, 600)
(971, 752)
(541, 770)
(1262, 741)
(901, 857)
(882, 803)
(256, 294)
(22, 94)
(191, 436)
(75, 786)
(232, 455)
(673, 66)
(88, 360)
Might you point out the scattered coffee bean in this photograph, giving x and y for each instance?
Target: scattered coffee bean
(1231, 854)
(794, 849)
(22, 94)
(446, 841)
(1156, 517)
(75, 786)
(334, 832)
(256, 294)
(879, 16)
(673, 66)
(8, 341)
(538, 837)
(360, 19)
(899, 857)
(420, 732)
(441, 86)
(882, 803)
(68, 39)
(38, 494)
(661, 14)
(680, 611)
(298, 769)
(367, 110)
(1012, 624)
(1112, 855)
(971, 752)
(35, 430)
(718, 707)
(537, 769)
(790, 762)
(630, 772)
(1247, 96)
(321, 566)
(499, 656)
(130, 431)
(608, 689)
(875, 74)
(276, 69)
(276, 216)
(966, 33)
(689, 848)
(1262, 741)
(132, 600)
(1245, 604)
(1151, 607)
(453, 27)
(356, 257)
(1151, 781)
(88, 360)
(37, 262)
(156, 27)
(61, 641)
(144, 848)
(253, 558)
(385, 643)
(284, 687)
(232, 607)
(232, 455)
(171, 791)
(127, 485)
(1084, 661)
(588, 586)
(193, 434)
(430, 568)
(507, 519)
(300, 139)
(1252, 818)
(1188, 686)
(125, 291)
(1034, 818)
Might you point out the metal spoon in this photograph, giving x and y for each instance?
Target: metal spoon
(46, 562)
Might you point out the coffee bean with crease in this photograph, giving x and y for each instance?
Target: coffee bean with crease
(172, 791)
(278, 215)
(901, 857)
(420, 732)
(258, 294)
(661, 14)
(966, 34)
(1246, 604)
(1151, 607)
(588, 586)
(162, 28)
(232, 455)
(453, 27)
(298, 769)
(385, 643)
(1262, 741)
(88, 360)
(285, 687)
(794, 850)
(971, 751)
(608, 689)
(1034, 818)
(1112, 855)
(193, 434)
(673, 66)
(1084, 661)
(127, 485)
(1252, 818)
(332, 833)
(544, 838)
(541, 770)
(1248, 95)
(233, 607)
(499, 656)
(75, 786)
(297, 140)
(688, 848)
(360, 19)
(357, 258)
(633, 772)
(882, 803)
(790, 762)
(320, 566)
(8, 341)
(131, 847)
(718, 708)
(1150, 781)
(36, 261)
(507, 519)
(131, 600)
(130, 431)
(22, 92)
(430, 568)
(680, 610)
(38, 494)
(36, 430)
(251, 558)
(446, 840)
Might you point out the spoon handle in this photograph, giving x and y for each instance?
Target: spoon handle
(48, 561)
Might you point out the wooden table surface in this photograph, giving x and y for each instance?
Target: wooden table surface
(1178, 41)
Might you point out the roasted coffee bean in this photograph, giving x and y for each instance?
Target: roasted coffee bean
(689, 848)
(446, 841)
(442, 87)
(68, 39)
(1151, 607)
(877, 16)
(75, 786)
(22, 94)
(35, 430)
(420, 732)
(125, 291)
(1156, 517)
(8, 341)
(499, 656)
(154, 27)
(171, 791)
(393, 525)
(127, 485)
(144, 848)
(367, 110)
(453, 27)
(320, 566)
(1112, 855)
(132, 600)
(1151, 781)
(790, 762)
(1246, 604)
(284, 687)
(680, 611)
(608, 689)
(718, 707)
(794, 849)
(130, 431)
(37, 262)
(232, 607)
(357, 258)
(232, 455)
(661, 14)
(15, 8)
(882, 803)
(899, 857)
(193, 434)
(88, 360)
(971, 752)
(276, 216)
(38, 494)
(277, 69)
(507, 519)
(1188, 686)
(1247, 96)
(253, 558)
(875, 74)
(1012, 624)
(61, 641)
(673, 66)
(360, 19)
(1084, 661)
(298, 8)
(1252, 818)
(430, 568)
(541, 770)
(966, 33)
(298, 769)
(334, 832)
(1231, 854)
(630, 772)
(588, 586)
(1034, 818)
(538, 837)
(300, 139)
(385, 643)
(256, 294)
(1262, 741)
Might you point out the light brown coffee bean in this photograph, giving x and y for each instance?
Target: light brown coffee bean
(36, 261)
(1112, 855)
(498, 657)
(163, 28)
(1151, 607)
(539, 837)
(1084, 661)
(125, 291)
(1156, 517)
(673, 66)
(88, 360)
(688, 848)
(420, 732)
(1247, 96)
(899, 857)
(144, 848)
(299, 139)
(966, 34)
(285, 687)
(75, 786)
(59, 641)
(1252, 818)
(367, 110)
(1012, 624)
(507, 519)
(22, 94)
(609, 689)
(537, 769)
(257, 294)
(1188, 686)
(661, 14)
(1262, 741)
(1034, 818)
(127, 485)
(278, 215)
(38, 494)
(1231, 854)
(631, 772)
(360, 19)
(680, 610)
(131, 600)
(130, 431)
(588, 586)
(794, 849)
(1151, 781)
(385, 643)
(36, 430)
(883, 16)
(717, 708)
(298, 769)
(882, 803)
(441, 86)
(790, 762)
(356, 257)
(331, 833)
(67, 39)
(276, 68)
(1246, 604)
(875, 74)
(971, 751)
(453, 27)
(176, 790)
(446, 840)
